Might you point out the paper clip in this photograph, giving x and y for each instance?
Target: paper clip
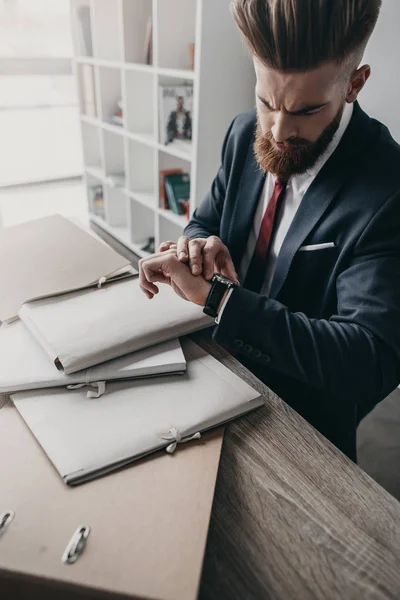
(5, 519)
(76, 545)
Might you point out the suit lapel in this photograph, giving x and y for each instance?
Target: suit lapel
(321, 193)
(250, 188)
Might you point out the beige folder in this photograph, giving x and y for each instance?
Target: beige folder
(148, 523)
(49, 256)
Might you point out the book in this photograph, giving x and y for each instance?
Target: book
(177, 188)
(97, 200)
(148, 43)
(175, 107)
(84, 30)
(163, 196)
(88, 91)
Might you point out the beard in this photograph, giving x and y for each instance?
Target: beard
(300, 155)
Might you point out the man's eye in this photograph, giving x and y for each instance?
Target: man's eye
(312, 112)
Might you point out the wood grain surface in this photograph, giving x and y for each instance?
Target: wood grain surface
(293, 518)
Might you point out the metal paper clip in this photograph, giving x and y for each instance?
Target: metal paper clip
(76, 545)
(5, 519)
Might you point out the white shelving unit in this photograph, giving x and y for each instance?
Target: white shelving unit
(110, 66)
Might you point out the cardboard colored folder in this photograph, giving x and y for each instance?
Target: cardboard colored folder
(148, 524)
(50, 256)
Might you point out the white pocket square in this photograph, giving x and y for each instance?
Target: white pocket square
(317, 246)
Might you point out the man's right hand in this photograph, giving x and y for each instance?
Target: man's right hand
(206, 256)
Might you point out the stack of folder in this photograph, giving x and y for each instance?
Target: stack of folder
(96, 370)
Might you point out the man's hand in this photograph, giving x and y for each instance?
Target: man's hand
(165, 267)
(206, 256)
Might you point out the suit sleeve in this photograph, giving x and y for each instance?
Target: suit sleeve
(356, 353)
(206, 219)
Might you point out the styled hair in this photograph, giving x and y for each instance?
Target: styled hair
(300, 35)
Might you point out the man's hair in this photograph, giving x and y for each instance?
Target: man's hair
(300, 35)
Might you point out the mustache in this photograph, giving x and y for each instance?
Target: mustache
(297, 143)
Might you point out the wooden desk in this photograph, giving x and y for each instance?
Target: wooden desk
(293, 518)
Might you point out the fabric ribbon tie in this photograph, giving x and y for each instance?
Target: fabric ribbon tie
(174, 434)
(100, 386)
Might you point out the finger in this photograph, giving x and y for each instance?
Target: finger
(147, 286)
(210, 252)
(195, 255)
(148, 294)
(183, 248)
(165, 245)
(228, 268)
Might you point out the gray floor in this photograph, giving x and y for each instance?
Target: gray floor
(378, 434)
(379, 444)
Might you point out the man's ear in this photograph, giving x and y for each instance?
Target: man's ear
(357, 82)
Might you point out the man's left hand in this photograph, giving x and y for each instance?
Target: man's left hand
(165, 267)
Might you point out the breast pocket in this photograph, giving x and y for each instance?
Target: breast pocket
(310, 274)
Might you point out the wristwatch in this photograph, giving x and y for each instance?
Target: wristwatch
(220, 284)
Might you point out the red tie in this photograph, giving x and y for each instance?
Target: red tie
(257, 268)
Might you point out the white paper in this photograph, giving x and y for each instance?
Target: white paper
(81, 329)
(87, 437)
(24, 365)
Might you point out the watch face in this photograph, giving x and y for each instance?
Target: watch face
(223, 279)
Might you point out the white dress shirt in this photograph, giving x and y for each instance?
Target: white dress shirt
(295, 190)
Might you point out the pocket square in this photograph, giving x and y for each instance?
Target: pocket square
(317, 246)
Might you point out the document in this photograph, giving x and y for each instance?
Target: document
(26, 366)
(85, 438)
(88, 327)
(50, 256)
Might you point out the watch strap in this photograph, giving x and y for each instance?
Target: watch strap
(214, 297)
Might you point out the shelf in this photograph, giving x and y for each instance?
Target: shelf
(105, 19)
(143, 138)
(118, 129)
(174, 151)
(130, 66)
(180, 220)
(114, 68)
(95, 172)
(90, 120)
(188, 74)
(139, 92)
(146, 198)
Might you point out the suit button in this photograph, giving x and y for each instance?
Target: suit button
(247, 348)
(265, 358)
(255, 354)
(237, 343)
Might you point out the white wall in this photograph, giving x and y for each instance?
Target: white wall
(381, 95)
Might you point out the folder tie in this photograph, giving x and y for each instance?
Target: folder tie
(175, 435)
(101, 282)
(100, 386)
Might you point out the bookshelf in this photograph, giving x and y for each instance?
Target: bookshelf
(110, 65)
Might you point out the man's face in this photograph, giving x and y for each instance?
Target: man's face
(180, 103)
(298, 115)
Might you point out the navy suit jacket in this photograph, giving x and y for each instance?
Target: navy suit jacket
(327, 338)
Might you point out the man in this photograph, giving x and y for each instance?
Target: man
(179, 122)
(313, 235)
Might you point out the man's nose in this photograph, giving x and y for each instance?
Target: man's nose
(283, 128)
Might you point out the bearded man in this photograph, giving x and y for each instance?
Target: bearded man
(302, 221)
